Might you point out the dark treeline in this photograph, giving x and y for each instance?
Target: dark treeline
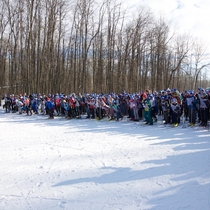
(68, 46)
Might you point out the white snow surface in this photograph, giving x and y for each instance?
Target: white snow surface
(85, 164)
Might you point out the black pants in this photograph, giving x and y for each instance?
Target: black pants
(99, 112)
(51, 111)
(28, 110)
(204, 115)
(92, 112)
(166, 116)
(175, 117)
(192, 115)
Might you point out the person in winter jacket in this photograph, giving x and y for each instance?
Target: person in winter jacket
(165, 107)
(191, 102)
(103, 108)
(7, 103)
(131, 106)
(49, 108)
(34, 105)
(92, 107)
(175, 112)
(154, 108)
(19, 105)
(42, 105)
(57, 103)
(148, 109)
(13, 103)
(204, 108)
(116, 110)
(27, 103)
(66, 109)
(123, 104)
(136, 108)
(159, 103)
(72, 103)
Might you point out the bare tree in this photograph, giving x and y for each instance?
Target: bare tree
(200, 61)
(82, 46)
(4, 21)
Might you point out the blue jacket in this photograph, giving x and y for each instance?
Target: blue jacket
(191, 102)
(66, 106)
(49, 105)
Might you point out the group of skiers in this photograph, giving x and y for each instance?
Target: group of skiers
(168, 105)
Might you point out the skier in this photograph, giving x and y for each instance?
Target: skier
(191, 106)
(148, 109)
(175, 112)
(49, 106)
(204, 107)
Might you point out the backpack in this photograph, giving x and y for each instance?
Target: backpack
(57, 102)
(26, 102)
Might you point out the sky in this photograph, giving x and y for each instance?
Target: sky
(190, 16)
(84, 164)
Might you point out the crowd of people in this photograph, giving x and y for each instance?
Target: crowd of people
(168, 105)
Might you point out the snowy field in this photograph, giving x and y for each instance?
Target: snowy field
(99, 165)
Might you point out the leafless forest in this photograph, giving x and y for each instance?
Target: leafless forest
(66, 46)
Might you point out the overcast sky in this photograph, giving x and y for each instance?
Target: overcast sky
(191, 16)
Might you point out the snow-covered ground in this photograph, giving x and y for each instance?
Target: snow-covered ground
(98, 165)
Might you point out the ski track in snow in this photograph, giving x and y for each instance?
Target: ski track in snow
(88, 164)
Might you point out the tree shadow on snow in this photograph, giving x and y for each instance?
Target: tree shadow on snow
(190, 195)
(172, 165)
(184, 185)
